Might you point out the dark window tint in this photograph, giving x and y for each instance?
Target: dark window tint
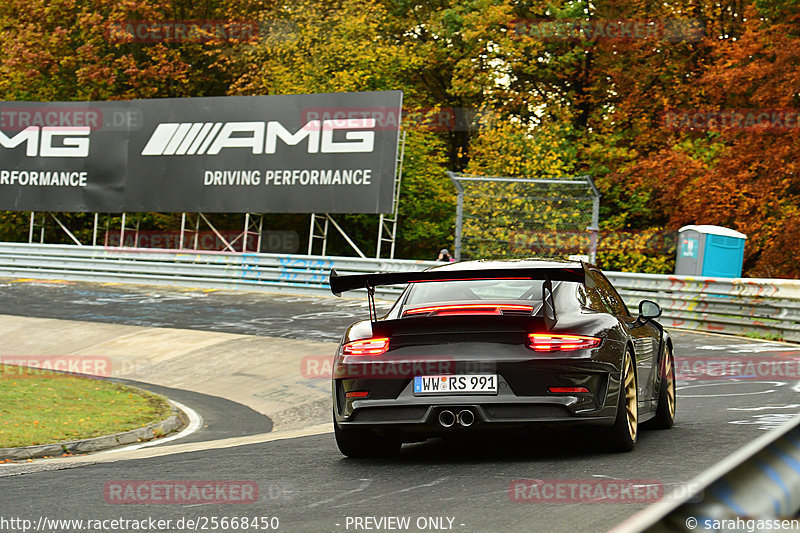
(484, 289)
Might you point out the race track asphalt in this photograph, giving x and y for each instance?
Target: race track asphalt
(310, 487)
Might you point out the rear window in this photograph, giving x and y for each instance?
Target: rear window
(484, 289)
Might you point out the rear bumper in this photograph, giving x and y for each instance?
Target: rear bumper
(419, 415)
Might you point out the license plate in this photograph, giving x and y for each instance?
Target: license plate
(460, 384)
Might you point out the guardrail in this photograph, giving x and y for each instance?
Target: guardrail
(754, 489)
(767, 308)
(220, 270)
(761, 307)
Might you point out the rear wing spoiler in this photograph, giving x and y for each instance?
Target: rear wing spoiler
(340, 284)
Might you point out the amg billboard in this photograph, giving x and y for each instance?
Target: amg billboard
(316, 153)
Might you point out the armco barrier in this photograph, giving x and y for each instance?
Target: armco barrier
(754, 489)
(762, 307)
(250, 271)
(743, 306)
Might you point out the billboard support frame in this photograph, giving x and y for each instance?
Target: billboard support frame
(216, 232)
(312, 233)
(121, 173)
(389, 223)
(66, 230)
(94, 229)
(253, 224)
(195, 231)
(323, 236)
(32, 225)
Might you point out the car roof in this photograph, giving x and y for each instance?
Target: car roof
(484, 264)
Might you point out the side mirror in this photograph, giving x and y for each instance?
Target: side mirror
(649, 309)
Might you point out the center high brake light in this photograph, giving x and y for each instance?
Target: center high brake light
(378, 346)
(467, 309)
(553, 342)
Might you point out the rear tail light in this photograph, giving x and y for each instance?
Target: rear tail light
(550, 342)
(367, 347)
(567, 390)
(357, 394)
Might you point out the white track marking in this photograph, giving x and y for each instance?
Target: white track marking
(766, 408)
(767, 421)
(364, 484)
(747, 348)
(195, 421)
(777, 384)
(408, 489)
(122, 454)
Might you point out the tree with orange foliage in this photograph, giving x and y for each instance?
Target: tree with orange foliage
(735, 163)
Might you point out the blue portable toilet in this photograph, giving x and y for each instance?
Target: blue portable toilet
(710, 251)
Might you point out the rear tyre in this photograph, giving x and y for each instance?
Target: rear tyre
(665, 411)
(360, 443)
(621, 437)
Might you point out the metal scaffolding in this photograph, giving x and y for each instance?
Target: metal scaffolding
(188, 237)
(387, 224)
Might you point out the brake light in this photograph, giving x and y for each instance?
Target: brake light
(473, 309)
(567, 390)
(367, 347)
(471, 279)
(551, 342)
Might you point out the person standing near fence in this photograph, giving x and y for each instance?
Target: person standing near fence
(444, 255)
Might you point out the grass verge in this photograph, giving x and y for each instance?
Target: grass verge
(43, 407)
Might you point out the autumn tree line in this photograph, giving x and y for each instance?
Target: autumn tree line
(683, 111)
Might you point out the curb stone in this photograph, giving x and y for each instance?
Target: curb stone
(156, 430)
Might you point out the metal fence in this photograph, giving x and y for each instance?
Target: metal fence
(761, 307)
(506, 217)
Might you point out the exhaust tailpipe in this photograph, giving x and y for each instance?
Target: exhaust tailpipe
(447, 419)
(466, 418)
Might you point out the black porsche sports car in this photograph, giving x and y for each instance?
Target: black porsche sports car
(493, 345)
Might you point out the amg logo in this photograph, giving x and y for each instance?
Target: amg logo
(199, 138)
(39, 141)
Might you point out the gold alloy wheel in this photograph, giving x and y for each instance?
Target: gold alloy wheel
(630, 398)
(669, 373)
